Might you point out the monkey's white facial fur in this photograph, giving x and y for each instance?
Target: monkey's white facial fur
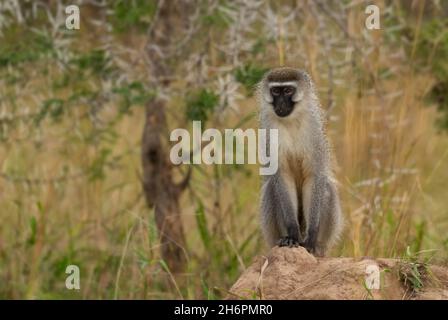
(283, 89)
(297, 96)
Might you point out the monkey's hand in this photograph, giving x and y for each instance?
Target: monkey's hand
(288, 242)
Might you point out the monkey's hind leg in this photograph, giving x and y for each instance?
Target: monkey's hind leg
(331, 220)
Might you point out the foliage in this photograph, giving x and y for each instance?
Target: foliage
(32, 47)
(71, 120)
(433, 50)
(95, 61)
(217, 18)
(132, 15)
(134, 93)
(199, 105)
(249, 75)
(413, 270)
(52, 107)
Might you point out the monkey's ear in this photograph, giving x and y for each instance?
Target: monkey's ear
(267, 93)
(297, 96)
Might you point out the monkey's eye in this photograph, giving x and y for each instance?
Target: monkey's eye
(276, 91)
(289, 91)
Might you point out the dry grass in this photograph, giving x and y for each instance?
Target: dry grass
(390, 162)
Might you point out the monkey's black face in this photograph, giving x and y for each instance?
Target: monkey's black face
(282, 100)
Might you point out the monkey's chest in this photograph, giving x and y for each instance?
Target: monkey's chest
(292, 152)
(293, 140)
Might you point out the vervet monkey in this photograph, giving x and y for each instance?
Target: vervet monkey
(299, 203)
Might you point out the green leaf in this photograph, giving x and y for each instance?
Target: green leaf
(97, 61)
(33, 227)
(249, 75)
(97, 168)
(31, 47)
(201, 221)
(52, 107)
(132, 94)
(201, 104)
(135, 14)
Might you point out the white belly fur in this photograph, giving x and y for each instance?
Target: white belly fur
(293, 145)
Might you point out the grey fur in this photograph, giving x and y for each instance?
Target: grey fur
(300, 203)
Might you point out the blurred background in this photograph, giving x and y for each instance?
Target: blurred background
(85, 118)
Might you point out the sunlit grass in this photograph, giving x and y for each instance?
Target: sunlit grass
(390, 161)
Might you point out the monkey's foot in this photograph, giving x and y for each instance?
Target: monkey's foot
(288, 242)
(314, 250)
(310, 249)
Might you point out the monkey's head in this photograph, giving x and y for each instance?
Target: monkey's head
(283, 89)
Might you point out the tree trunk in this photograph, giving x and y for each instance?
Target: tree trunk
(161, 192)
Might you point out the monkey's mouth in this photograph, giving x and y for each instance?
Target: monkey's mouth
(283, 110)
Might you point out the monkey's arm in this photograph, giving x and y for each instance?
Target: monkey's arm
(313, 193)
(279, 206)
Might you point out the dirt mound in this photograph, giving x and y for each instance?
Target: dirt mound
(293, 273)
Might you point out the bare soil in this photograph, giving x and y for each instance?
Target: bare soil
(293, 273)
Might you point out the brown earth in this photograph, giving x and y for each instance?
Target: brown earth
(293, 273)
